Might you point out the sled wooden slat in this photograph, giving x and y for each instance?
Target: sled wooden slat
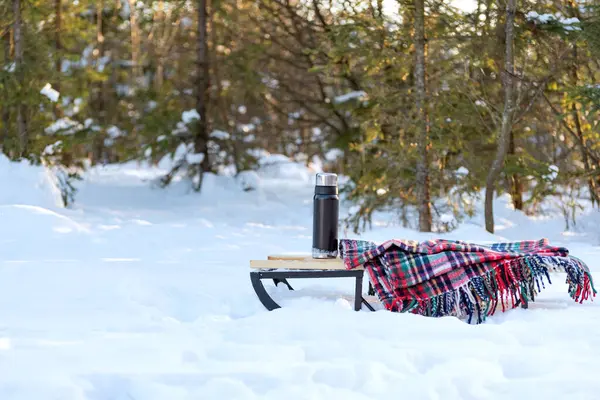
(303, 264)
(289, 257)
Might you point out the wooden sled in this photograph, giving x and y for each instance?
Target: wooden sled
(280, 268)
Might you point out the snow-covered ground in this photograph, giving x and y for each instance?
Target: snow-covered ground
(141, 293)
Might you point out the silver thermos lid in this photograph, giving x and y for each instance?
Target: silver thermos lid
(326, 179)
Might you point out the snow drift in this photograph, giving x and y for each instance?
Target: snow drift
(25, 184)
(154, 302)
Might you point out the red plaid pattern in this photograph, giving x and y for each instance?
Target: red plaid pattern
(407, 273)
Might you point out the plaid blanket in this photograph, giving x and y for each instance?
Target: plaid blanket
(447, 277)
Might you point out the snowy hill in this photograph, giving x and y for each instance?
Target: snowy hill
(142, 293)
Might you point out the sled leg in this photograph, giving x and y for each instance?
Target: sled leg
(277, 281)
(358, 299)
(366, 303)
(262, 294)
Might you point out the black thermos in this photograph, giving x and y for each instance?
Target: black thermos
(325, 216)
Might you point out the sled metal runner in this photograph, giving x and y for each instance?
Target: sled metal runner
(282, 268)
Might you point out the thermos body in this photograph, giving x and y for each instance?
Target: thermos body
(325, 217)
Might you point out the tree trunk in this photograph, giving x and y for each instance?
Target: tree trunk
(507, 117)
(156, 46)
(99, 101)
(422, 122)
(516, 188)
(578, 129)
(21, 112)
(221, 102)
(135, 42)
(58, 49)
(202, 92)
(5, 110)
(488, 20)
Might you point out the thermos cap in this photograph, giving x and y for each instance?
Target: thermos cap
(326, 179)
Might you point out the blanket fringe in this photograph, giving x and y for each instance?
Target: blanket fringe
(512, 284)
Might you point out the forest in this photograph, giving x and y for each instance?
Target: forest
(427, 107)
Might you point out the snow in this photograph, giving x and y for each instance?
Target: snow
(569, 27)
(151, 105)
(570, 21)
(248, 180)
(257, 153)
(247, 127)
(543, 18)
(334, 155)
(447, 218)
(194, 158)
(273, 159)
(189, 116)
(102, 62)
(547, 18)
(113, 132)
(180, 129)
(465, 5)
(125, 90)
(186, 22)
(219, 135)
(23, 185)
(278, 167)
(181, 151)
(50, 93)
(63, 126)
(142, 293)
(462, 171)
(51, 148)
(553, 174)
(349, 96)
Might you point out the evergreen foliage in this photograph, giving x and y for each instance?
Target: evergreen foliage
(302, 78)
